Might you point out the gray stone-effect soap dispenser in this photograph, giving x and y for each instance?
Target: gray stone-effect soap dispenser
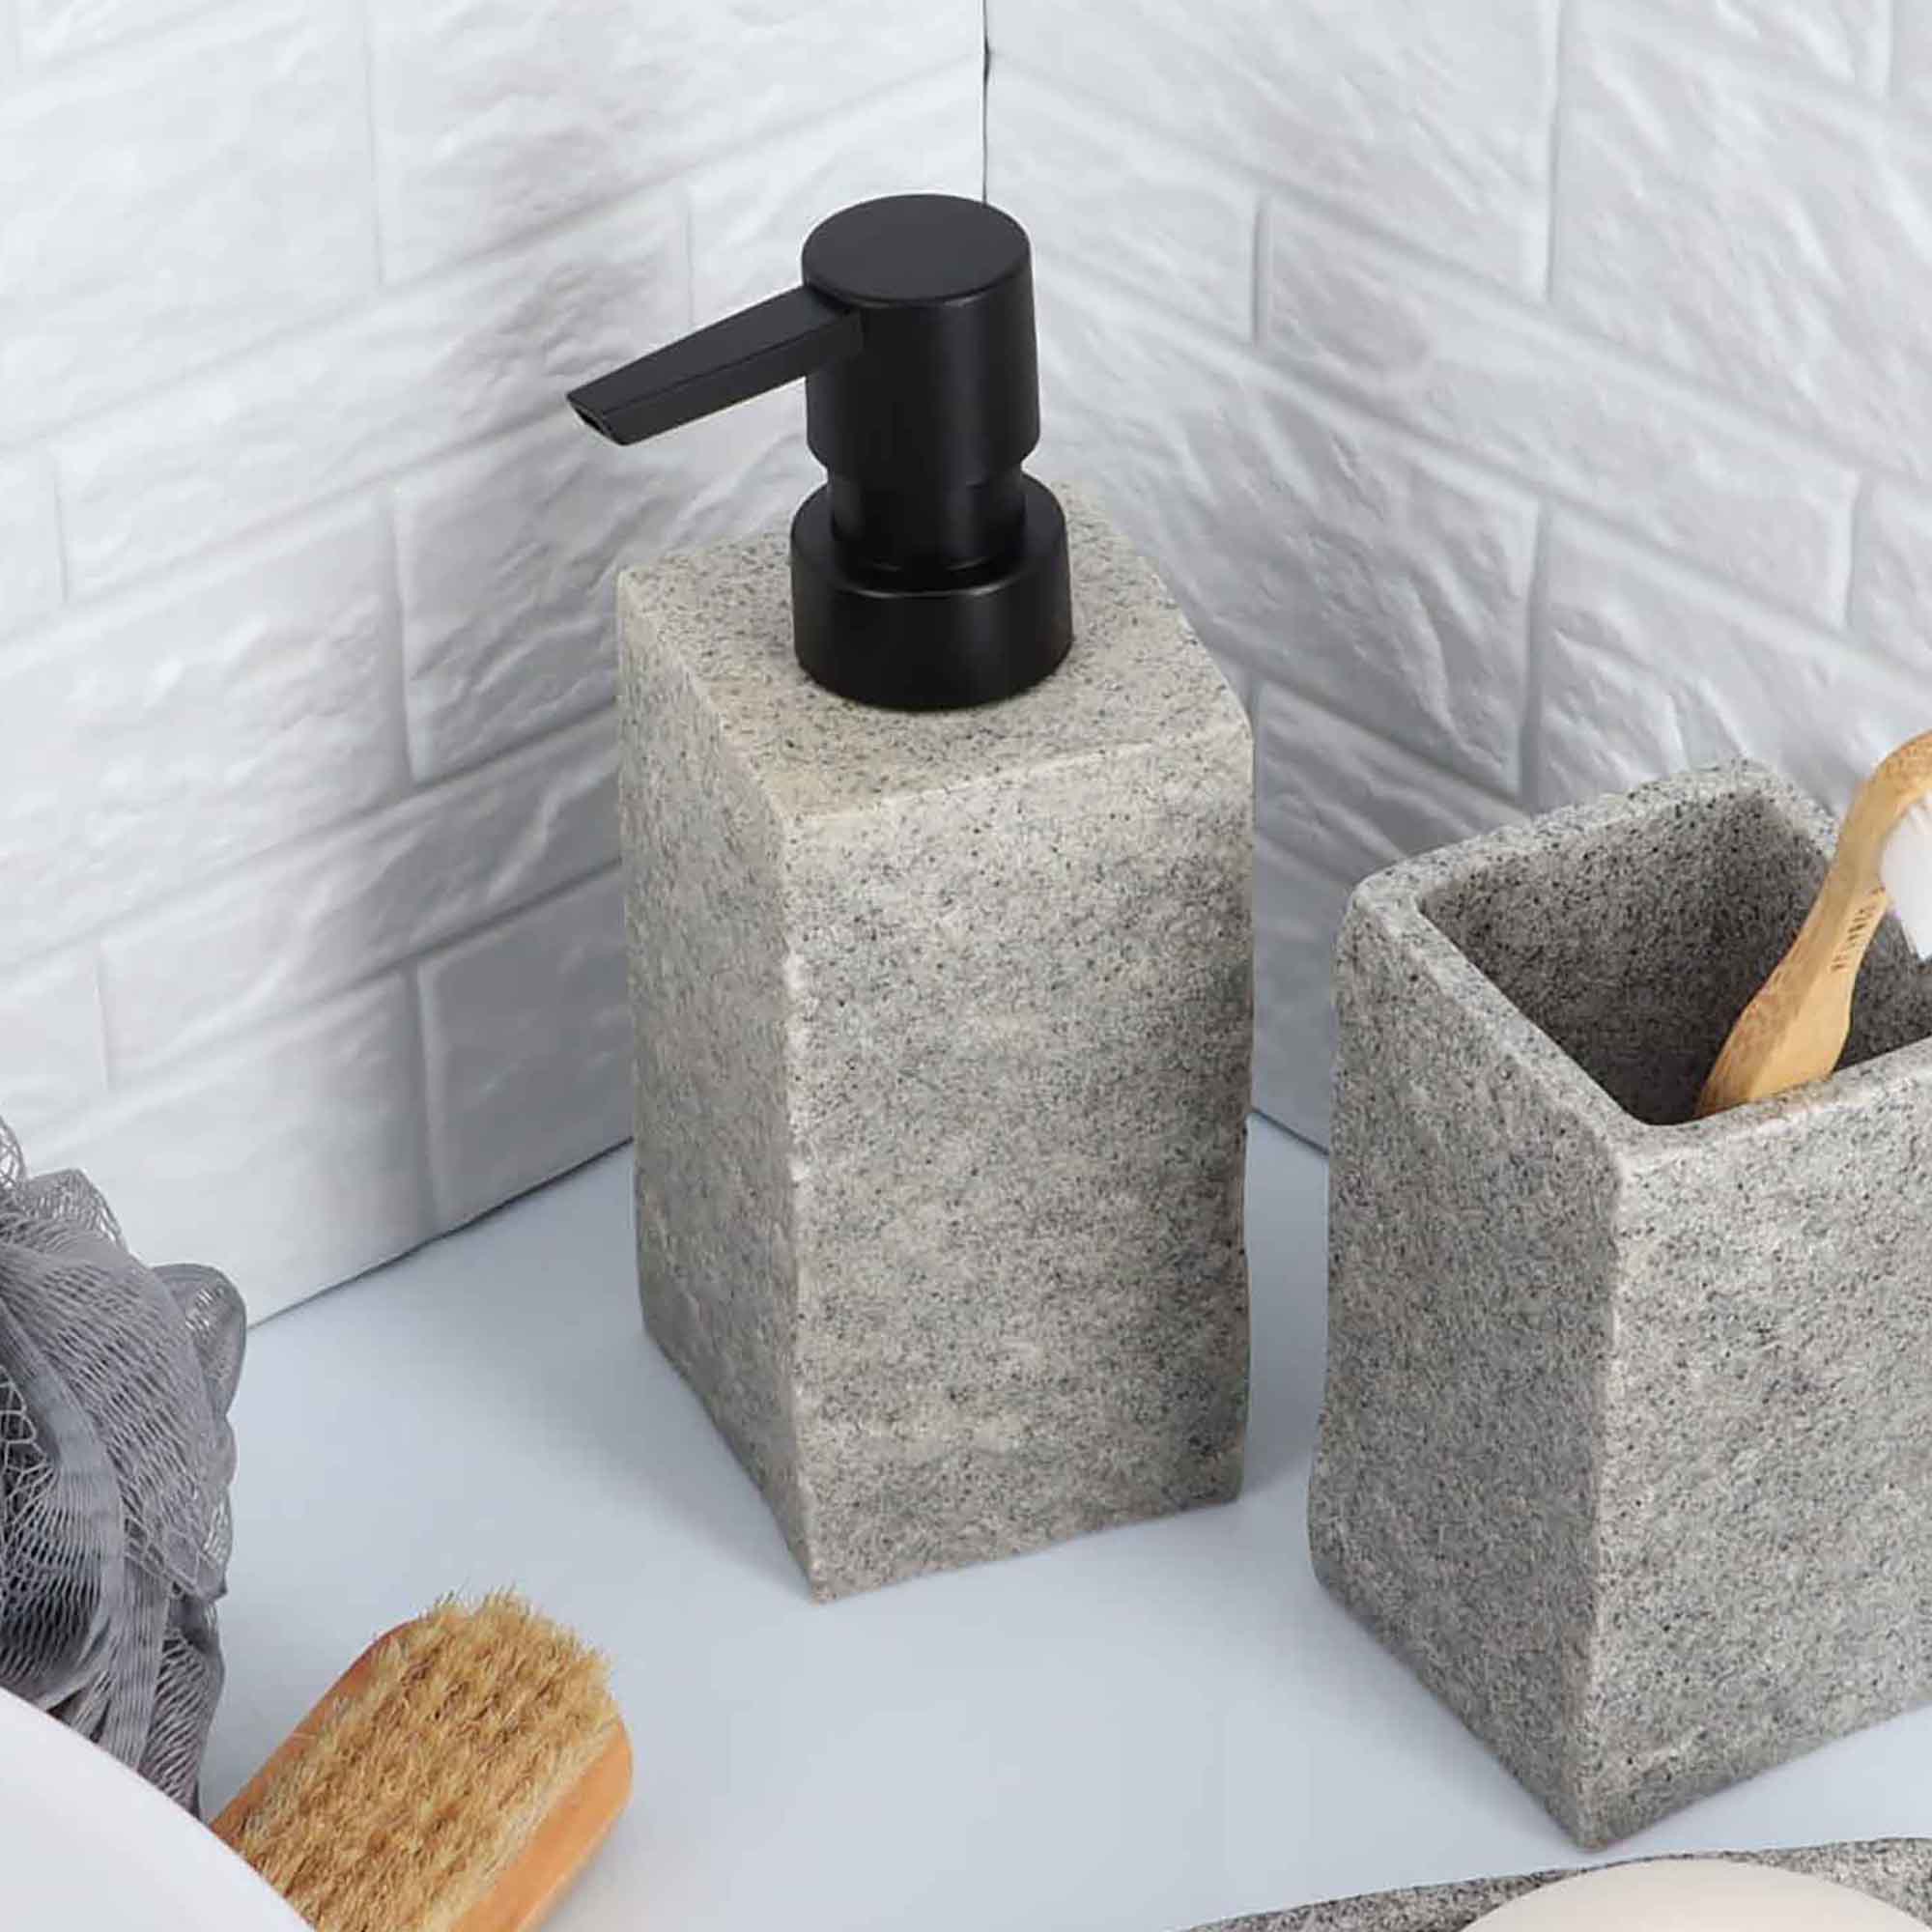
(937, 826)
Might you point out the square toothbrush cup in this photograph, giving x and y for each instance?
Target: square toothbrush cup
(1626, 1448)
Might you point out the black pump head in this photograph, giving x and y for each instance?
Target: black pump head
(930, 572)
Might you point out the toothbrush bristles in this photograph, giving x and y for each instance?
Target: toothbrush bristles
(1905, 868)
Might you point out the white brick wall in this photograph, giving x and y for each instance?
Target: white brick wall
(1524, 397)
(559, 1065)
(309, 939)
(231, 159)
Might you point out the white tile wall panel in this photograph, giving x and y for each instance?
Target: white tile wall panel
(1843, 40)
(1297, 915)
(509, 556)
(1891, 584)
(1512, 388)
(1071, 167)
(393, 383)
(1333, 804)
(30, 541)
(165, 208)
(53, 29)
(1429, 121)
(292, 1158)
(1771, 243)
(1647, 673)
(1347, 800)
(309, 919)
(150, 742)
(752, 208)
(496, 117)
(1299, 535)
(1912, 54)
(52, 1062)
(527, 1033)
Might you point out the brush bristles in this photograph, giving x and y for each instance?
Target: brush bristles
(419, 1786)
(1906, 868)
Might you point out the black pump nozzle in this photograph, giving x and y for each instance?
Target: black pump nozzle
(930, 571)
(773, 342)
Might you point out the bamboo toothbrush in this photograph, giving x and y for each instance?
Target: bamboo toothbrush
(456, 1778)
(1794, 1030)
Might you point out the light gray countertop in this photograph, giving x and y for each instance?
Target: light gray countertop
(1136, 1732)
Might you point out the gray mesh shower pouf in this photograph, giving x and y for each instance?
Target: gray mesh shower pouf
(1896, 1870)
(115, 1459)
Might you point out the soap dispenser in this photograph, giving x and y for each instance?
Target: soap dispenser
(937, 829)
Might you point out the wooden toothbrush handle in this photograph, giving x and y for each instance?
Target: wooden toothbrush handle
(1794, 1030)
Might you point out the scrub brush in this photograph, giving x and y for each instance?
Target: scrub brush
(1795, 1029)
(456, 1778)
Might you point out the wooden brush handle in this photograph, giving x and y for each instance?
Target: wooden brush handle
(531, 1886)
(1794, 1030)
(563, 1844)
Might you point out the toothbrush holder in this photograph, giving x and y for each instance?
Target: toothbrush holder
(1627, 1441)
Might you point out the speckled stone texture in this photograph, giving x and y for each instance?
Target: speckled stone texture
(1896, 1870)
(943, 1029)
(1627, 1444)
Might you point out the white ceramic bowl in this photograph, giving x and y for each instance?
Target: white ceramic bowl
(86, 1846)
